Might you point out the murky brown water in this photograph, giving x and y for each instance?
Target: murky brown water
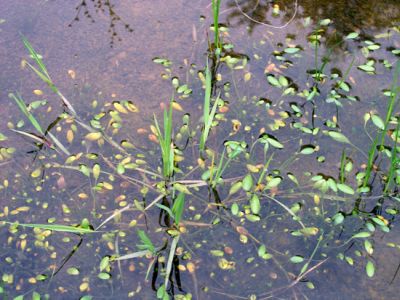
(110, 55)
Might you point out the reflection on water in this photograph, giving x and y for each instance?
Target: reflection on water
(348, 16)
(106, 7)
(219, 255)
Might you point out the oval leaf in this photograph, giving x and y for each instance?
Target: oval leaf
(339, 137)
(370, 269)
(297, 259)
(345, 188)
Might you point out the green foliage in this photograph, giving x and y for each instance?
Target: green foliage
(146, 243)
(215, 5)
(208, 116)
(165, 140)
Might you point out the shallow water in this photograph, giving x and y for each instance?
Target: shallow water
(107, 56)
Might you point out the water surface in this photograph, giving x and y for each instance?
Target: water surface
(104, 51)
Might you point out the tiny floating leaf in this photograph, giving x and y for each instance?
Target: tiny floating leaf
(339, 137)
(378, 122)
(235, 187)
(273, 81)
(363, 234)
(370, 269)
(104, 276)
(309, 231)
(235, 209)
(93, 136)
(36, 173)
(325, 22)
(297, 259)
(274, 182)
(247, 182)
(104, 263)
(255, 204)
(352, 35)
(73, 271)
(345, 188)
(292, 50)
(338, 219)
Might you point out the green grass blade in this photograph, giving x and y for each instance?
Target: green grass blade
(393, 160)
(207, 95)
(57, 227)
(174, 244)
(342, 161)
(381, 138)
(44, 75)
(215, 9)
(208, 125)
(146, 242)
(206, 109)
(58, 144)
(41, 76)
(391, 104)
(22, 106)
(167, 209)
(132, 255)
(168, 141)
(30, 135)
(165, 141)
(178, 207)
(36, 57)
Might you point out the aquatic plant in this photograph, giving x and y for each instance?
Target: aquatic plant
(165, 141)
(261, 175)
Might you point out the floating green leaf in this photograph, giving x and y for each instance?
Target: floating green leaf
(345, 188)
(338, 219)
(378, 122)
(291, 50)
(368, 247)
(274, 182)
(370, 269)
(309, 231)
(367, 68)
(273, 142)
(235, 209)
(73, 271)
(283, 81)
(35, 296)
(273, 81)
(255, 204)
(104, 276)
(324, 22)
(339, 137)
(363, 234)
(306, 150)
(247, 183)
(262, 250)
(104, 263)
(352, 35)
(235, 187)
(253, 218)
(297, 259)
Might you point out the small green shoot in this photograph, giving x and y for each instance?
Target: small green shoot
(165, 140)
(146, 244)
(215, 4)
(208, 116)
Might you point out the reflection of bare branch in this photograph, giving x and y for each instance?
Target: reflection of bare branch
(105, 7)
(296, 281)
(263, 23)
